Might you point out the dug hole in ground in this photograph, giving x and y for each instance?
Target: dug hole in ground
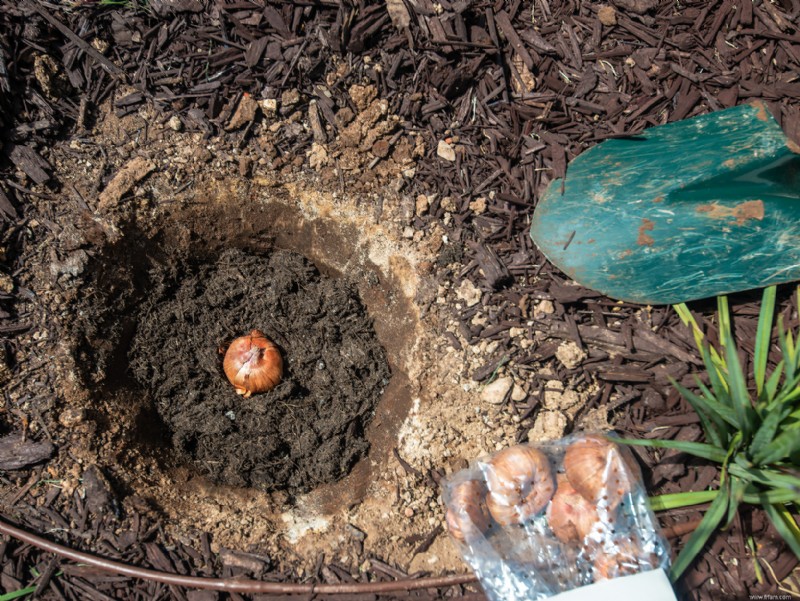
(135, 323)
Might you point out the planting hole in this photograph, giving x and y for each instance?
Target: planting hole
(163, 305)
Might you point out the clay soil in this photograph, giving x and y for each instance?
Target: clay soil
(356, 182)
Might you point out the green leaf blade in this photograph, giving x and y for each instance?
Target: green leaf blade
(740, 399)
(698, 449)
(777, 515)
(716, 512)
(763, 337)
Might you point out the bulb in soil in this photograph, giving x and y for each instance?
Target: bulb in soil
(520, 484)
(253, 364)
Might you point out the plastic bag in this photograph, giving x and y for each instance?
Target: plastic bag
(536, 520)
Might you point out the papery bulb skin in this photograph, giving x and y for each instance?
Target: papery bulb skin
(600, 470)
(569, 515)
(467, 515)
(520, 484)
(253, 364)
(624, 557)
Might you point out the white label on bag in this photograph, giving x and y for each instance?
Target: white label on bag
(652, 585)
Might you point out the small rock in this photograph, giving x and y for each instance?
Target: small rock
(175, 123)
(549, 425)
(317, 156)
(448, 203)
(446, 151)
(70, 267)
(422, 204)
(570, 354)
(100, 45)
(495, 393)
(468, 293)
(362, 96)
(478, 206)
(408, 232)
(245, 112)
(290, 98)
(269, 105)
(71, 417)
(556, 398)
(545, 307)
(128, 176)
(516, 332)
(6, 283)
(518, 394)
(607, 15)
(408, 512)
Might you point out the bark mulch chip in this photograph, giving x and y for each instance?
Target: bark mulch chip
(504, 95)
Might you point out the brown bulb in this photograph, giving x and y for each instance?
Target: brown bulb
(253, 364)
(467, 515)
(626, 557)
(520, 484)
(570, 516)
(600, 470)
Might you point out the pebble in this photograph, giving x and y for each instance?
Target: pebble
(245, 112)
(607, 15)
(545, 307)
(175, 123)
(269, 105)
(495, 393)
(518, 394)
(446, 151)
(6, 283)
(69, 417)
(421, 204)
(570, 354)
(468, 293)
(290, 98)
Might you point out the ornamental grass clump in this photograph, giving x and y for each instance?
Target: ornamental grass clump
(753, 433)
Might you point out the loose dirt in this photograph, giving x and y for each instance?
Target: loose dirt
(307, 431)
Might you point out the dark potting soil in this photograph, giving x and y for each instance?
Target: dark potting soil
(308, 430)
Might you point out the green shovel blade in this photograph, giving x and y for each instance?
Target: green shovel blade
(688, 210)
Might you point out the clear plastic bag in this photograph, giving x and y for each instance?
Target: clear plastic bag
(536, 520)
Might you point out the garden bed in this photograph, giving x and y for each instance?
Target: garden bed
(175, 169)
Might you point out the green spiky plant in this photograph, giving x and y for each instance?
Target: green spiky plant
(754, 437)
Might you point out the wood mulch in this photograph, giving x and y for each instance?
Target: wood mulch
(516, 90)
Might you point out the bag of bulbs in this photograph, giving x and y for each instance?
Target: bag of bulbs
(536, 521)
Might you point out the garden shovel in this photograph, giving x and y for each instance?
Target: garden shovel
(692, 209)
